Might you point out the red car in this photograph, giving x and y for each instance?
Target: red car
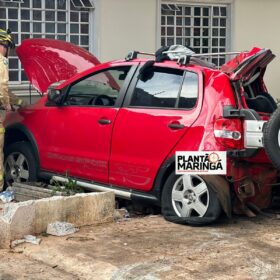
(116, 126)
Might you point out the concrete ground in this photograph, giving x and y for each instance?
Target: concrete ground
(149, 248)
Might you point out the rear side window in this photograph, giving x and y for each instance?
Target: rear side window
(189, 91)
(166, 88)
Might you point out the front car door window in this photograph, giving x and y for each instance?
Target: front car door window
(101, 89)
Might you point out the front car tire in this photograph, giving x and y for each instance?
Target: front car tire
(20, 164)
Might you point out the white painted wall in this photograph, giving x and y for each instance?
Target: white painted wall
(256, 23)
(125, 25)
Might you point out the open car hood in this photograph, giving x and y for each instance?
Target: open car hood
(245, 64)
(46, 61)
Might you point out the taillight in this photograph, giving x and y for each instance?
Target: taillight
(228, 132)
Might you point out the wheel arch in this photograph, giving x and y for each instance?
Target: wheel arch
(19, 133)
(166, 168)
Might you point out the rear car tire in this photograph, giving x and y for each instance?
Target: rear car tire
(188, 199)
(271, 137)
(20, 164)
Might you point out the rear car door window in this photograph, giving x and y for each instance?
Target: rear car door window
(158, 87)
(165, 88)
(99, 89)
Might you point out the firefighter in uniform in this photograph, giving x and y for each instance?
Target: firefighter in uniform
(6, 43)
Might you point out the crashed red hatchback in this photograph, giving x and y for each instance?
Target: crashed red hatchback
(117, 126)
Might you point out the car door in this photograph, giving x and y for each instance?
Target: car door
(162, 103)
(78, 133)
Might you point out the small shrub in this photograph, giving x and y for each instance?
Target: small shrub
(68, 188)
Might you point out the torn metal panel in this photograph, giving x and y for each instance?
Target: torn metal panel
(222, 188)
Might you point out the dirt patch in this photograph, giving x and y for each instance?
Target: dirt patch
(150, 248)
(15, 266)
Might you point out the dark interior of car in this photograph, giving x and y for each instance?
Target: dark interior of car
(256, 98)
(90, 100)
(142, 98)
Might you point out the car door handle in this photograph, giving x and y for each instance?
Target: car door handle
(104, 121)
(176, 126)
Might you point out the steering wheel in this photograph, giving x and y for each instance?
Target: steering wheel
(99, 100)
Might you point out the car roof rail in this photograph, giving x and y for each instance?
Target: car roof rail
(180, 53)
(206, 54)
(134, 54)
(184, 59)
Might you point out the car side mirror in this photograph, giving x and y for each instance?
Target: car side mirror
(55, 96)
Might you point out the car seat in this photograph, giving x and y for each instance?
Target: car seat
(263, 102)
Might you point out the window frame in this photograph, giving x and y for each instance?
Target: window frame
(135, 79)
(120, 96)
(83, 5)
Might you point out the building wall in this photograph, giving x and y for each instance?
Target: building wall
(256, 23)
(125, 25)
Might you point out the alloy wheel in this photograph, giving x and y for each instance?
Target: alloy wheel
(190, 196)
(16, 168)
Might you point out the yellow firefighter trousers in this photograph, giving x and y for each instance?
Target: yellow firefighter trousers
(2, 134)
(4, 101)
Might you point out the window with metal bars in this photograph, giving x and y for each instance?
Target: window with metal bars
(13, 1)
(54, 19)
(82, 3)
(203, 27)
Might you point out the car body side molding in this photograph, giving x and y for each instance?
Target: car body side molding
(145, 198)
